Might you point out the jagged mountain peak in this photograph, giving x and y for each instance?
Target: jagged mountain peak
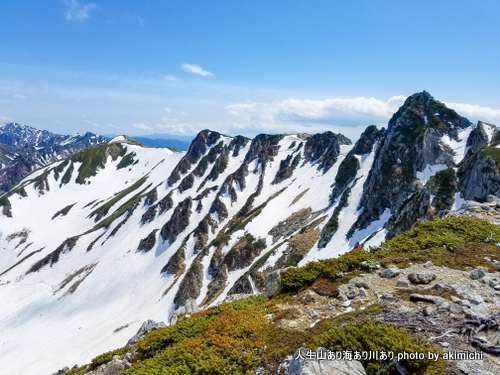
(133, 232)
(421, 112)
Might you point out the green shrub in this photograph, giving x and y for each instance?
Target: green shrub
(107, 357)
(447, 232)
(364, 336)
(296, 278)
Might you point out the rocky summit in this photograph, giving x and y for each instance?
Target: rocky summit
(102, 243)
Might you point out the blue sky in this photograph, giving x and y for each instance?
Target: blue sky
(242, 67)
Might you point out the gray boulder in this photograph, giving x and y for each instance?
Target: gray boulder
(468, 293)
(402, 283)
(62, 371)
(477, 274)
(235, 297)
(300, 366)
(189, 307)
(391, 272)
(480, 309)
(114, 367)
(273, 283)
(313, 314)
(147, 326)
(421, 277)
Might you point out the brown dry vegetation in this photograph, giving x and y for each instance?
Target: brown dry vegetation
(296, 199)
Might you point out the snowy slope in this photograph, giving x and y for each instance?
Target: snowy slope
(93, 245)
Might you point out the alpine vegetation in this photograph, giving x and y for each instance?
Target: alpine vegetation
(116, 234)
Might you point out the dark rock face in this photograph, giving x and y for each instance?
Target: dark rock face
(187, 183)
(478, 176)
(324, 149)
(237, 144)
(53, 257)
(286, 169)
(190, 285)
(166, 203)
(197, 149)
(410, 144)
(175, 264)
(477, 138)
(244, 252)
(219, 208)
(149, 215)
(151, 197)
(178, 222)
(350, 165)
(146, 244)
(201, 168)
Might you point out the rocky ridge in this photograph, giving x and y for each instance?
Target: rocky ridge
(217, 220)
(24, 149)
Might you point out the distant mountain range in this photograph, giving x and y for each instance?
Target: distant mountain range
(117, 233)
(172, 143)
(177, 142)
(24, 149)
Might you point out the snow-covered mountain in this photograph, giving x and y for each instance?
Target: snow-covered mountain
(24, 149)
(96, 243)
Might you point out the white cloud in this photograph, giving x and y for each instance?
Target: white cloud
(172, 78)
(196, 69)
(6, 119)
(78, 11)
(19, 96)
(166, 109)
(349, 115)
(476, 113)
(140, 126)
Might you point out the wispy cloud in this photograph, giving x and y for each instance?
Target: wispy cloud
(335, 111)
(87, 121)
(196, 69)
(475, 112)
(141, 126)
(19, 96)
(172, 78)
(77, 11)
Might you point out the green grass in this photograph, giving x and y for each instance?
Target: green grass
(120, 211)
(4, 201)
(126, 161)
(94, 158)
(63, 211)
(67, 175)
(103, 210)
(18, 263)
(239, 337)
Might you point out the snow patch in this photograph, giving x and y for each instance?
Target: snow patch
(429, 171)
(458, 147)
